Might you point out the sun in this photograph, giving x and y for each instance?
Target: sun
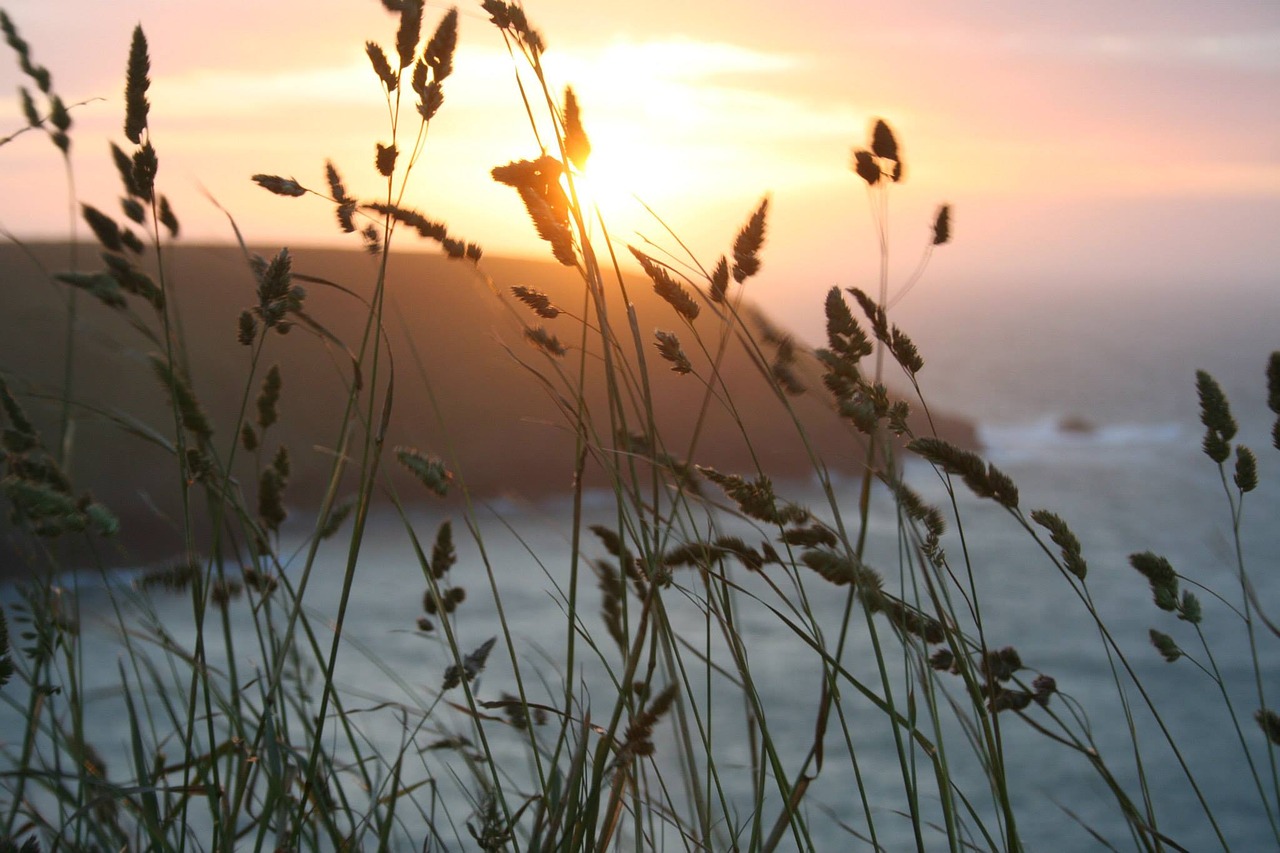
(648, 142)
(623, 172)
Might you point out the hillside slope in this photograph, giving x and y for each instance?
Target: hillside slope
(455, 337)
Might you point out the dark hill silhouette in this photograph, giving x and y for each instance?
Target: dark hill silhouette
(498, 425)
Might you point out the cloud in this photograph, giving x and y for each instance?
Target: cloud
(676, 59)
(1227, 49)
(209, 92)
(1241, 51)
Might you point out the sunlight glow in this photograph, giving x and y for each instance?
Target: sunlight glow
(679, 124)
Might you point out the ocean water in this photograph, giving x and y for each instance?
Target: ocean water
(1121, 361)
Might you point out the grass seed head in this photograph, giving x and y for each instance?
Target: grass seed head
(102, 286)
(1165, 645)
(613, 594)
(1044, 687)
(221, 592)
(985, 481)
(576, 144)
(145, 166)
(611, 541)
(550, 224)
(1001, 664)
(438, 54)
(336, 518)
(124, 166)
(746, 248)
(472, 665)
(167, 217)
(189, 411)
(1246, 474)
(511, 17)
(842, 570)
(135, 88)
(545, 341)
(429, 470)
(756, 498)
(904, 351)
(786, 378)
(103, 227)
(132, 241)
(1064, 538)
(916, 509)
(875, 314)
(865, 166)
(942, 225)
(60, 118)
(1189, 608)
(133, 210)
(912, 620)
(410, 30)
(29, 111)
(381, 66)
(280, 186)
(668, 346)
(247, 329)
(346, 205)
(810, 536)
(1273, 382)
(443, 554)
(1273, 395)
(883, 142)
(18, 420)
(263, 584)
(1160, 575)
(667, 287)
(171, 577)
(719, 280)
(277, 295)
(844, 335)
(1215, 414)
(271, 499)
(133, 280)
(751, 559)
(269, 398)
(1269, 722)
(942, 660)
(280, 462)
(638, 739)
(536, 300)
(385, 159)
(430, 100)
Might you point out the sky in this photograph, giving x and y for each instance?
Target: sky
(1086, 144)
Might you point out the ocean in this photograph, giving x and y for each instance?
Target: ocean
(1085, 396)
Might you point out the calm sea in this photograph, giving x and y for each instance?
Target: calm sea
(1120, 361)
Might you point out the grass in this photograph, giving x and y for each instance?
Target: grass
(653, 716)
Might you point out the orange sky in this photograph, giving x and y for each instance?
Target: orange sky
(1102, 139)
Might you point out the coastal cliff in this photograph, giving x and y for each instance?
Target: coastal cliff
(463, 378)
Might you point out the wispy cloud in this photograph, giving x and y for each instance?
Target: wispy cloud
(1259, 51)
(1254, 50)
(232, 92)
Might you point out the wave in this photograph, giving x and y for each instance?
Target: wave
(1050, 434)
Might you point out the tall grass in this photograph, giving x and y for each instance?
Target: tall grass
(651, 719)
